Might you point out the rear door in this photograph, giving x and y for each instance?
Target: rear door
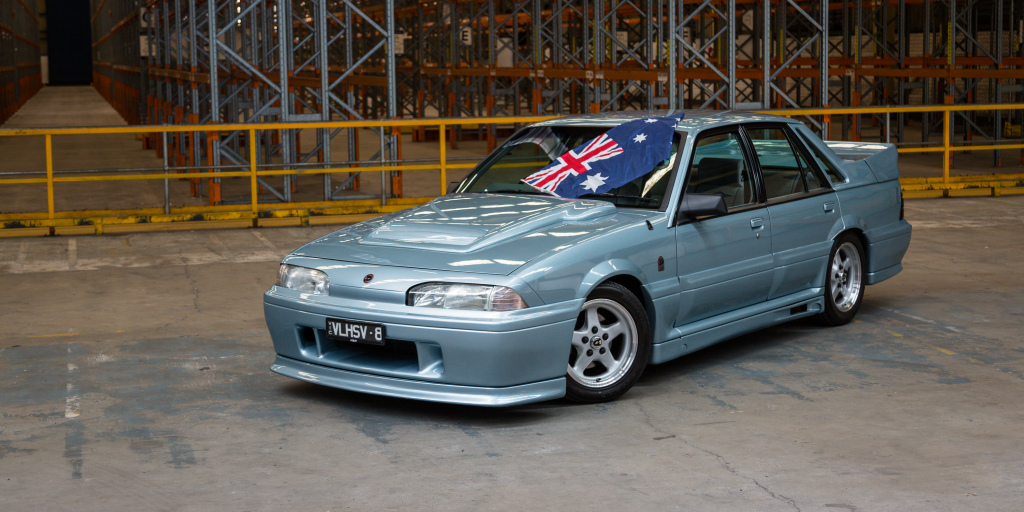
(801, 204)
(724, 262)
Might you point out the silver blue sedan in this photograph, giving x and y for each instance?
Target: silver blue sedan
(551, 271)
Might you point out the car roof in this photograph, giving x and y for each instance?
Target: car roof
(692, 120)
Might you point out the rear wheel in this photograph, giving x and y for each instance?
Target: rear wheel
(610, 345)
(844, 283)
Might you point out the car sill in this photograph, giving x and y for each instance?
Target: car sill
(692, 337)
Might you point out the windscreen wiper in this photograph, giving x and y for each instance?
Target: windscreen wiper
(607, 196)
(533, 192)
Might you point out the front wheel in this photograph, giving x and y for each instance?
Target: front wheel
(844, 283)
(610, 345)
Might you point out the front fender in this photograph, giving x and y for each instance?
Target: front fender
(606, 270)
(573, 270)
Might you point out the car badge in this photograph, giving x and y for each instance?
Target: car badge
(367, 278)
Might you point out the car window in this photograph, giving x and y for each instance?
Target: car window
(824, 163)
(719, 167)
(785, 170)
(524, 154)
(534, 148)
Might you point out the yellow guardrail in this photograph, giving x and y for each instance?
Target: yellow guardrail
(945, 185)
(255, 214)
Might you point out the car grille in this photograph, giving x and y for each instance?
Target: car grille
(395, 356)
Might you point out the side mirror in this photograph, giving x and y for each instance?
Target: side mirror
(452, 186)
(701, 205)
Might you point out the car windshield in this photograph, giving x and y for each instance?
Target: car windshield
(532, 149)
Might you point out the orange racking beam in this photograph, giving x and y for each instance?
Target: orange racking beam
(29, 11)
(96, 14)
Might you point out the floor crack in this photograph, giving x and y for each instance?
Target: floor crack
(195, 289)
(721, 460)
(650, 422)
(725, 464)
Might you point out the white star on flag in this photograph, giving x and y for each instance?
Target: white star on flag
(640, 138)
(593, 182)
(650, 120)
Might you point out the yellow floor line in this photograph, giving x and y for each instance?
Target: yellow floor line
(944, 351)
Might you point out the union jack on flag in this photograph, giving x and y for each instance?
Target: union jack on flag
(574, 162)
(616, 157)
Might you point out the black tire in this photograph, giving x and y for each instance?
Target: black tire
(844, 281)
(610, 346)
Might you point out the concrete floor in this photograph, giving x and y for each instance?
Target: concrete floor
(134, 376)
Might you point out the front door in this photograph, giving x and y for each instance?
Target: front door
(724, 263)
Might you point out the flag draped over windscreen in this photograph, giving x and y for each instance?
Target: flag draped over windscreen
(611, 160)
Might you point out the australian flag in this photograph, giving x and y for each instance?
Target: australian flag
(611, 160)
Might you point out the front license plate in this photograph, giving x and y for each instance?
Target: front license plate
(355, 332)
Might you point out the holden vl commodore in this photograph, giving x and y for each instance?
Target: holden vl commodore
(585, 248)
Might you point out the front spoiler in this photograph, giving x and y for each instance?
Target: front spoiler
(418, 390)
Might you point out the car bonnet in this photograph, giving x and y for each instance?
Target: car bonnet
(485, 233)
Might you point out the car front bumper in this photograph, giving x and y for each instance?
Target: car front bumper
(461, 357)
(419, 390)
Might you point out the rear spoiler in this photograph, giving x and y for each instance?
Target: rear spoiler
(878, 159)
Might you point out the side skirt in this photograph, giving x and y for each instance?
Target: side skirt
(692, 337)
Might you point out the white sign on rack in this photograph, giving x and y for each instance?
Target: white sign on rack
(623, 38)
(400, 43)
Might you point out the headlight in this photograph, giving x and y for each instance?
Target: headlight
(465, 296)
(301, 279)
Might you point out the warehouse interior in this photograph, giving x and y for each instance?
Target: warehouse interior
(158, 158)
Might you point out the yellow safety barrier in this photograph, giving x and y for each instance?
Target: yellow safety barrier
(254, 213)
(945, 185)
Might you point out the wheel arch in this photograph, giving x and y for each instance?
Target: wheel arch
(857, 225)
(862, 238)
(624, 273)
(635, 287)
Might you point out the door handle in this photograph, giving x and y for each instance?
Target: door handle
(756, 222)
(830, 206)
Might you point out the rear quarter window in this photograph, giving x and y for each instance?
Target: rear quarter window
(824, 162)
